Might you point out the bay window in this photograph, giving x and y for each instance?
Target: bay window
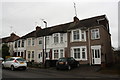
(79, 53)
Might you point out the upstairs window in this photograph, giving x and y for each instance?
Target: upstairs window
(29, 42)
(61, 37)
(95, 34)
(15, 44)
(33, 42)
(83, 35)
(39, 41)
(22, 43)
(56, 38)
(76, 35)
(47, 40)
(18, 43)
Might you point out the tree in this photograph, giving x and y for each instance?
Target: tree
(5, 51)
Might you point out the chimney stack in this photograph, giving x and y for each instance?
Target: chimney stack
(75, 19)
(38, 28)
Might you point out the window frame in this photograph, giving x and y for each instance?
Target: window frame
(56, 38)
(95, 33)
(81, 52)
(81, 33)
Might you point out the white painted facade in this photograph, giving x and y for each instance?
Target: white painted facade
(20, 47)
(59, 45)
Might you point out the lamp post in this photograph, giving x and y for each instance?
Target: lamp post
(44, 54)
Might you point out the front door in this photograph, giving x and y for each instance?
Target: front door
(96, 55)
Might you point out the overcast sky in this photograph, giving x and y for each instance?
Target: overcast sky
(24, 15)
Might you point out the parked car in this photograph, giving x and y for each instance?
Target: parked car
(67, 63)
(1, 59)
(14, 63)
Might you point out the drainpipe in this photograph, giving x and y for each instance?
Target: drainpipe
(89, 45)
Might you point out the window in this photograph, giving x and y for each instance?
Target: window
(61, 37)
(28, 54)
(39, 55)
(79, 53)
(18, 54)
(61, 53)
(56, 56)
(32, 54)
(47, 40)
(76, 35)
(18, 43)
(83, 53)
(29, 42)
(22, 43)
(21, 54)
(95, 34)
(56, 38)
(83, 36)
(40, 42)
(15, 44)
(47, 54)
(33, 42)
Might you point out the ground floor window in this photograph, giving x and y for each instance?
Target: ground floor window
(55, 54)
(58, 53)
(79, 53)
(29, 54)
(47, 54)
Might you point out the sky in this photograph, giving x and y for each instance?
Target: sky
(22, 16)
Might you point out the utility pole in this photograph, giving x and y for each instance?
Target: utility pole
(44, 51)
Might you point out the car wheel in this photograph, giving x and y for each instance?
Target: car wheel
(3, 66)
(12, 68)
(25, 68)
(69, 67)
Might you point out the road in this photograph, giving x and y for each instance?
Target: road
(53, 73)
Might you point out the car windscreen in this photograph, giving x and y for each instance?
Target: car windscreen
(20, 59)
(62, 59)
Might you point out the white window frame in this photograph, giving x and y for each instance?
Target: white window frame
(29, 43)
(80, 47)
(33, 42)
(61, 37)
(47, 40)
(59, 53)
(33, 55)
(54, 53)
(94, 33)
(81, 32)
(62, 53)
(56, 35)
(40, 40)
(73, 35)
(22, 43)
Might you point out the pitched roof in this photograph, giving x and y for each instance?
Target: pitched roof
(62, 28)
(10, 38)
(31, 34)
(89, 22)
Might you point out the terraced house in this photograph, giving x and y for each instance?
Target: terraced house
(87, 40)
